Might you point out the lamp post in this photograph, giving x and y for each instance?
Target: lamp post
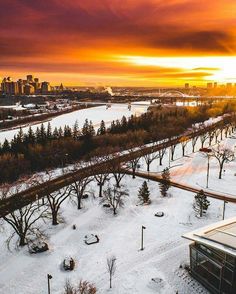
(49, 278)
(143, 228)
(223, 217)
(207, 151)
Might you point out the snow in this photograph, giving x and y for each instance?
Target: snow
(95, 114)
(153, 270)
(164, 249)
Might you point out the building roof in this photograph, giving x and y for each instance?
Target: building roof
(220, 235)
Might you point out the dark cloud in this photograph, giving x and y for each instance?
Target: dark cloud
(59, 33)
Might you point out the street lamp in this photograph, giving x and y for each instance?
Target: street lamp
(143, 228)
(49, 278)
(207, 151)
(223, 217)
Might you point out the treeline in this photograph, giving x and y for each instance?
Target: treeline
(47, 148)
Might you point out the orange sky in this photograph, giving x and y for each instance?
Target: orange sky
(119, 42)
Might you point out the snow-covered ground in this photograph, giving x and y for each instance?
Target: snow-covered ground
(95, 114)
(137, 271)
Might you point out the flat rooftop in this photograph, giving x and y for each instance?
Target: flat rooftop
(220, 235)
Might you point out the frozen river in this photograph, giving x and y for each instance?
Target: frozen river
(95, 114)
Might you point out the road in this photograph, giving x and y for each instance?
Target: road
(25, 197)
(157, 178)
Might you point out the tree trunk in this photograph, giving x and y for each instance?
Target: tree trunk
(160, 161)
(22, 240)
(100, 189)
(133, 175)
(54, 218)
(148, 166)
(220, 173)
(79, 201)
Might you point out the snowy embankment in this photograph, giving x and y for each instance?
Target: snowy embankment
(153, 270)
(164, 251)
(95, 114)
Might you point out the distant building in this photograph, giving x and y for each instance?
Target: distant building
(213, 256)
(45, 87)
(215, 85)
(9, 87)
(209, 85)
(29, 89)
(229, 85)
(186, 86)
(29, 78)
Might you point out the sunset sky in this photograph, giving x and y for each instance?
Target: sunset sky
(119, 42)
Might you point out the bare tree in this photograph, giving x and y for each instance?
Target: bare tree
(150, 157)
(216, 133)
(111, 268)
(223, 155)
(184, 141)
(211, 134)
(77, 189)
(114, 197)
(161, 154)
(23, 220)
(101, 179)
(203, 138)
(115, 168)
(133, 164)
(55, 200)
(84, 287)
(194, 142)
(172, 151)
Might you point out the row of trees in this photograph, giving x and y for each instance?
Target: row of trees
(47, 148)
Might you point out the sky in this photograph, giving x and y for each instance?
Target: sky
(119, 42)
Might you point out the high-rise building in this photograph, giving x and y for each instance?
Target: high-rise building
(215, 85)
(209, 85)
(9, 87)
(29, 78)
(186, 86)
(28, 89)
(45, 87)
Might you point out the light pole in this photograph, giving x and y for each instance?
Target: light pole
(207, 151)
(143, 228)
(49, 278)
(223, 217)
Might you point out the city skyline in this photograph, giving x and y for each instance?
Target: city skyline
(136, 43)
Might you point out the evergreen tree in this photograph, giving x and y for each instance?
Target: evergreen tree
(31, 136)
(49, 132)
(102, 128)
(201, 203)
(38, 135)
(75, 132)
(43, 134)
(85, 129)
(91, 129)
(55, 133)
(6, 146)
(165, 184)
(60, 133)
(144, 194)
(20, 136)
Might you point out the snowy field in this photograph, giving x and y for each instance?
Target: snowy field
(138, 272)
(95, 114)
